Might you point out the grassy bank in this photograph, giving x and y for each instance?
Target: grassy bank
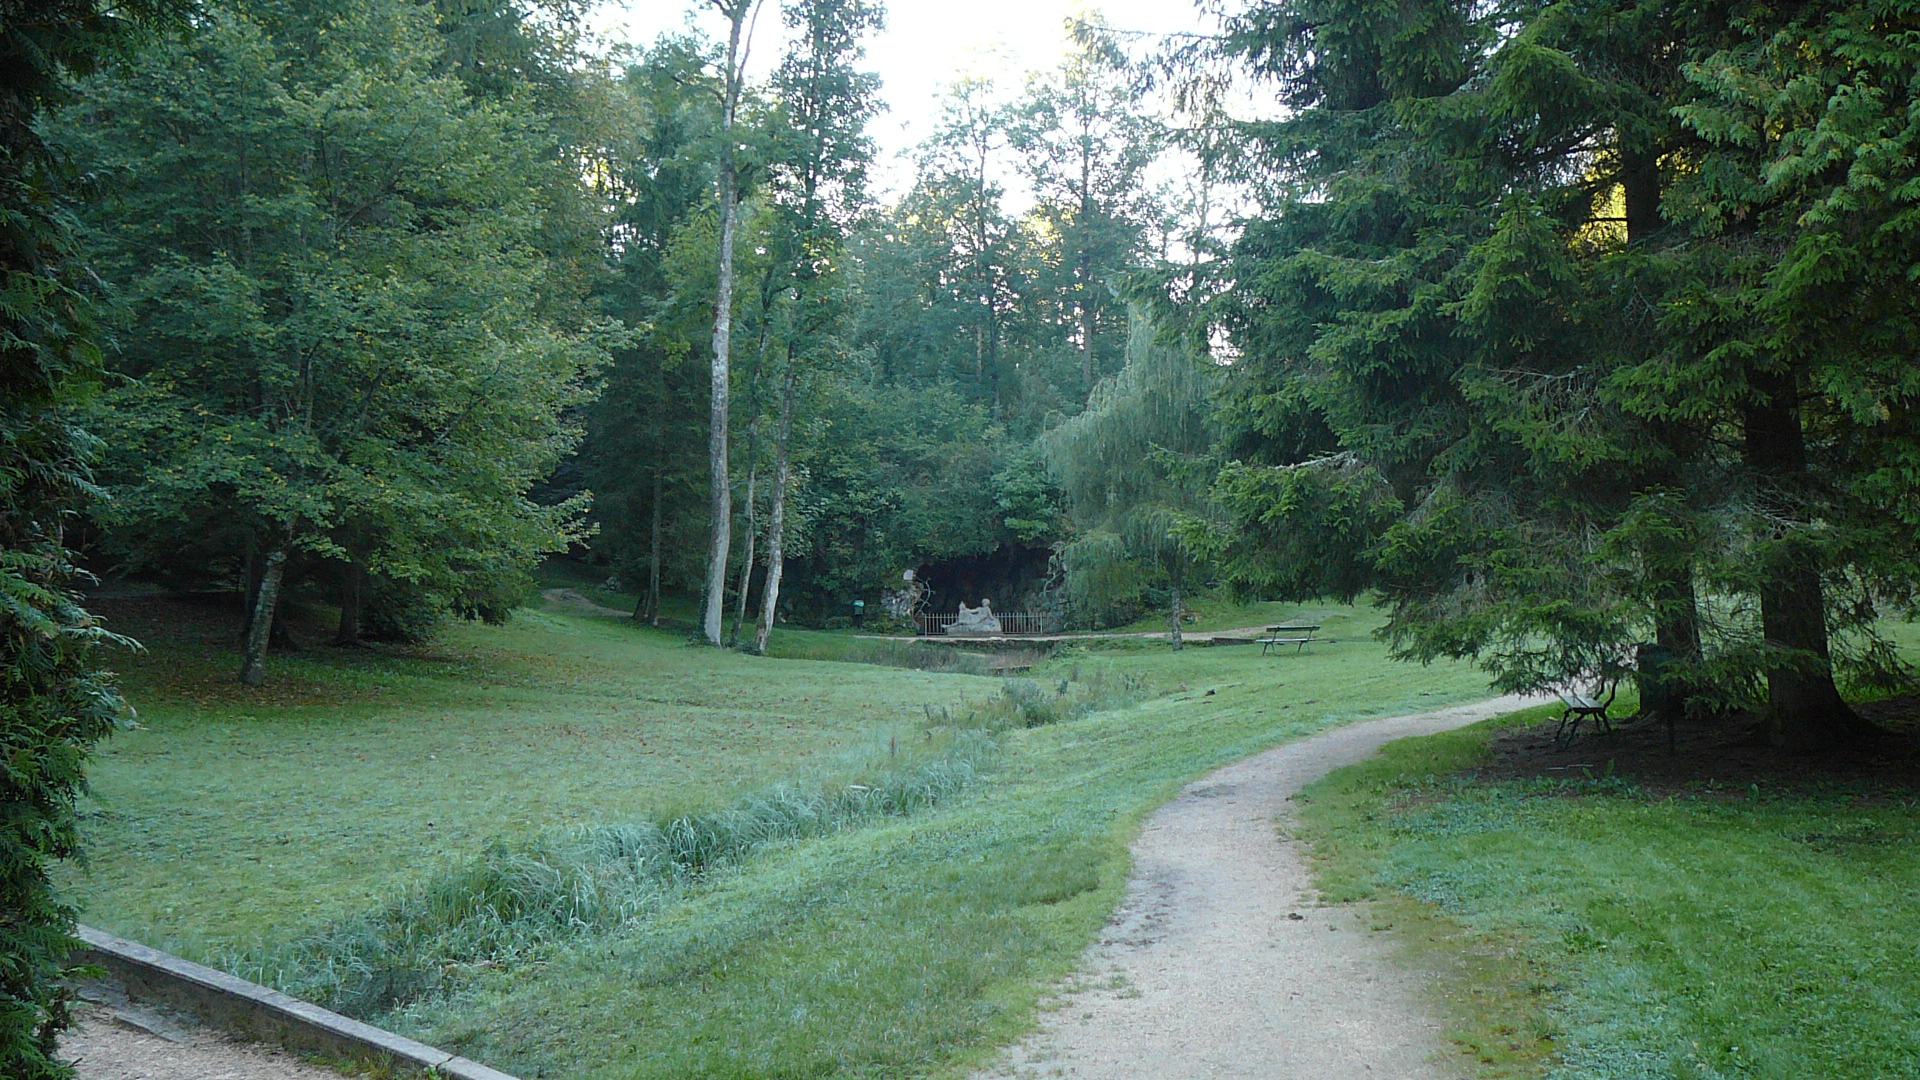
(919, 946)
(232, 818)
(899, 945)
(1590, 929)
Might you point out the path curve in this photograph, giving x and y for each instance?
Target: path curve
(1240, 635)
(573, 602)
(1221, 965)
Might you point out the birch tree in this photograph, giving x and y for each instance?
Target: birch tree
(740, 15)
(818, 184)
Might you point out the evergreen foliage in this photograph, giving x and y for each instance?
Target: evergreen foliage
(55, 701)
(1523, 346)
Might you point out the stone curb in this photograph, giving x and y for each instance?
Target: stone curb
(255, 1012)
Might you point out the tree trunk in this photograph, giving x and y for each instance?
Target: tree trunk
(1086, 326)
(777, 514)
(249, 593)
(1676, 623)
(253, 670)
(1177, 613)
(1676, 605)
(720, 505)
(1804, 709)
(1676, 634)
(721, 501)
(1086, 270)
(351, 594)
(1640, 185)
(746, 561)
(649, 608)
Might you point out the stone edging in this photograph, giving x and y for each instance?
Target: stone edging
(255, 1012)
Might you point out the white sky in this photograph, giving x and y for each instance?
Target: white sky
(926, 46)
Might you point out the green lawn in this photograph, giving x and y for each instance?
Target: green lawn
(919, 946)
(1594, 932)
(911, 946)
(231, 818)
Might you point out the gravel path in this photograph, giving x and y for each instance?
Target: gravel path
(1241, 635)
(1221, 964)
(138, 1044)
(573, 602)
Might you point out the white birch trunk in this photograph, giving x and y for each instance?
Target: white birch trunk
(720, 505)
(777, 516)
(746, 562)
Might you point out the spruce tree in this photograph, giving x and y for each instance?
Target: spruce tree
(56, 701)
(1487, 359)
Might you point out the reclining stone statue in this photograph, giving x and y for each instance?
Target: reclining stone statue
(975, 621)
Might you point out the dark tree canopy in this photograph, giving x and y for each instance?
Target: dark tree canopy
(55, 702)
(1564, 331)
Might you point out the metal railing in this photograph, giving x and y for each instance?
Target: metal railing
(1019, 624)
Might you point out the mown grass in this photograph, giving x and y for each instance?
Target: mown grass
(513, 904)
(906, 946)
(230, 819)
(919, 946)
(1595, 932)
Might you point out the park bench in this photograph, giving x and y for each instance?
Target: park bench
(1297, 636)
(1580, 708)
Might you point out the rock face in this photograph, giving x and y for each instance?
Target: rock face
(975, 622)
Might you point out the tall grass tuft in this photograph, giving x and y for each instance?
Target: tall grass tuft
(1027, 703)
(513, 903)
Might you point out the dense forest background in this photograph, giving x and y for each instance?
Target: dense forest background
(410, 296)
(1577, 334)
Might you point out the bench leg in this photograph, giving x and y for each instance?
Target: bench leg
(1563, 738)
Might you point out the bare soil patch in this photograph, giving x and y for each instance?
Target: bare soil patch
(1730, 753)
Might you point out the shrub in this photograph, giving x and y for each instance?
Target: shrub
(1026, 703)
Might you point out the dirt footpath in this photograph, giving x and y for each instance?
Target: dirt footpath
(1220, 964)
